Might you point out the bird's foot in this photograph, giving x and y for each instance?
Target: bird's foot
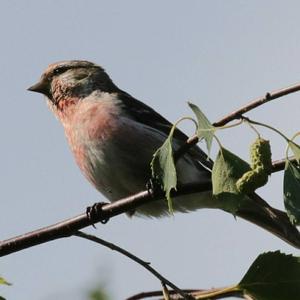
(154, 187)
(96, 214)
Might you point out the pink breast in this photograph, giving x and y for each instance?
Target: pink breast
(90, 125)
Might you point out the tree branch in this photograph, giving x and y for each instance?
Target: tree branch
(68, 227)
(237, 114)
(174, 295)
(279, 165)
(257, 102)
(141, 262)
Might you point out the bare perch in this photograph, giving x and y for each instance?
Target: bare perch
(68, 227)
(136, 259)
(174, 295)
(237, 114)
(257, 102)
(265, 219)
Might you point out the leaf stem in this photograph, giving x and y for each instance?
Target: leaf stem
(252, 127)
(180, 120)
(269, 127)
(215, 293)
(218, 141)
(295, 135)
(230, 126)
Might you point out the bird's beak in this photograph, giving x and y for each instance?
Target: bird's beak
(40, 87)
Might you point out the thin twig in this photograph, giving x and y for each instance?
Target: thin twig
(145, 295)
(141, 262)
(174, 295)
(257, 102)
(279, 165)
(220, 293)
(237, 114)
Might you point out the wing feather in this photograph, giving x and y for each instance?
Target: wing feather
(144, 114)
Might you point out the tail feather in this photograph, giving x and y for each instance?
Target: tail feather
(259, 212)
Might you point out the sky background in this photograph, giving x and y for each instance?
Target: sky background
(217, 54)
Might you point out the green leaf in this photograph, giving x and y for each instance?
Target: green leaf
(205, 129)
(296, 150)
(3, 281)
(273, 276)
(227, 169)
(291, 191)
(1, 298)
(163, 168)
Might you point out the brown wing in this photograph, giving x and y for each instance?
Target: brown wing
(144, 114)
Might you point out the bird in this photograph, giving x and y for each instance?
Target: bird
(113, 137)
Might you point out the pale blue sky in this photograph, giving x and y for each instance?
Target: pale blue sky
(217, 54)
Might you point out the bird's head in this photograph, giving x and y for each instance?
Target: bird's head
(74, 79)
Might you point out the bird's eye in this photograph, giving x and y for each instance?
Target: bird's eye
(59, 70)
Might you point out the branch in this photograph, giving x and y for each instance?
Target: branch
(237, 114)
(68, 227)
(279, 165)
(257, 102)
(267, 217)
(174, 295)
(141, 262)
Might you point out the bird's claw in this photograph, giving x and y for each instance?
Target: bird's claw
(96, 214)
(154, 187)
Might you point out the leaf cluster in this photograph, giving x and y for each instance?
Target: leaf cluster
(273, 275)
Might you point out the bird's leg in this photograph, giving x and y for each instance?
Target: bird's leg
(154, 187)
(96, 214)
